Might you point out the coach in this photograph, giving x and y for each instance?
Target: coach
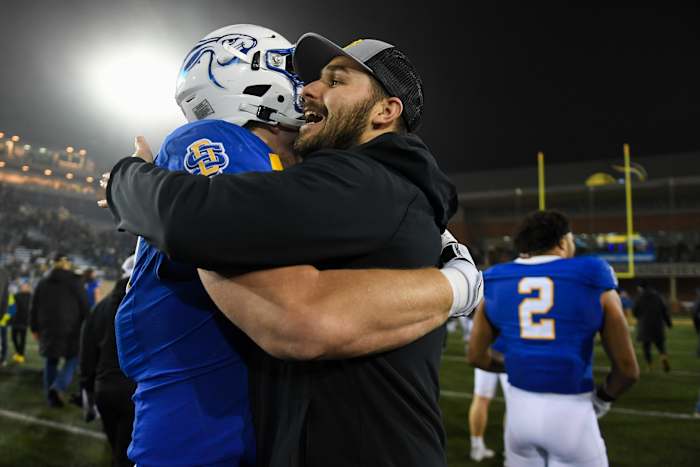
(368, 194)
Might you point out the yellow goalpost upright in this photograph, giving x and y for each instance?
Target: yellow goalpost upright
(629, 274)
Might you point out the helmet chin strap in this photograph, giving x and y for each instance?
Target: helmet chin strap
(268, 114)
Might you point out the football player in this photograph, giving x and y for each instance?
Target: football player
(240, 95)
(485, 384)
(547, 307)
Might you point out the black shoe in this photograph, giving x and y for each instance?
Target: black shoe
(55, 399)
(666, 365)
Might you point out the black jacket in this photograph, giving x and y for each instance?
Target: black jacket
(99, 363)
(4, 291)
(381, 204)
(58, 309)
(652, 316)
(21, 318)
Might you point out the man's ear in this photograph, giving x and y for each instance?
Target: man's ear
(562, 243)
(387, 111)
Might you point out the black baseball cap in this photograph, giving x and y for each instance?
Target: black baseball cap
(383, 61)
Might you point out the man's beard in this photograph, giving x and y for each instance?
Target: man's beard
(340, 131)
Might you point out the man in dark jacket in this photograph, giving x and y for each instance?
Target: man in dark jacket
(20, 321)
(368, 195)
(652, 318)
(4, 315)
(101, 380)
(58, 309)
(696, 316)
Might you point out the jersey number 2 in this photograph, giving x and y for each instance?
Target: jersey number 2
(543, 328)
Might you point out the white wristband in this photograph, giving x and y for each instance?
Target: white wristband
(467, 286)
(460, 294)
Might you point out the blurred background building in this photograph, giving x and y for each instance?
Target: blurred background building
(666, 215)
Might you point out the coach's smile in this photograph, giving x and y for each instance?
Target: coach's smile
(313, 118)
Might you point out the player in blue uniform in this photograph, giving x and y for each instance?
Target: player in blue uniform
(547, 307)
(192, 405)
(192, 395)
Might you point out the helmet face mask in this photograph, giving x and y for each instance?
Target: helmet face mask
(280, 60)
(240, 73)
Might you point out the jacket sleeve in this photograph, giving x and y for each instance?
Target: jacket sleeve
(637, 308)
(332, 206)
(89, 354)
(664, 311)
(4, 295)
(34, 310)
(696, 316)
(83, 303)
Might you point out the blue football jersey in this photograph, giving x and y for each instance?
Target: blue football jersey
(192, 390)
(547, 311)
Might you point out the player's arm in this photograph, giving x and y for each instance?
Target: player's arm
(260, 220)
(302, 313)
(618, 346)
(483, 334)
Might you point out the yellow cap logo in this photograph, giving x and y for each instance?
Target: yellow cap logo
(352, 44)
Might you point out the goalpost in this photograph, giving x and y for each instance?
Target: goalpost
(629, 274)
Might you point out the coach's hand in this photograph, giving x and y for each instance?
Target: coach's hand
(142, 150)
(466, 280)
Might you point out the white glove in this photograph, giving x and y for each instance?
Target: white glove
(89, 409)
(466, 280)
(600, 406)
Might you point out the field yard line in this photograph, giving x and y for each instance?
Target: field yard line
(462, 359)
(643, 413)
(51, 424)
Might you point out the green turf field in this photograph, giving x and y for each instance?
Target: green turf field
(636, 438)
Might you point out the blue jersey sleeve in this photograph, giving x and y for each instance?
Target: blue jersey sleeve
(598, 273)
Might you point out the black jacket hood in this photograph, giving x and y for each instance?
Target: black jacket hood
(409, 156)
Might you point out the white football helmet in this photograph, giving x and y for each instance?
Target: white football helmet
(241, 73)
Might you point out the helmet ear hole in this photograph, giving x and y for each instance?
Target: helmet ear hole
(255, 65)
(280, 98)
(257, 90)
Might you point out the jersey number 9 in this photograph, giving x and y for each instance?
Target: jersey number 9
(543, 329)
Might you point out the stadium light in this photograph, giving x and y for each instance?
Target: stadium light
(47, 172)
(69, 176)
(15, 138)
(25, 168)
(136, 83)
(90, 179)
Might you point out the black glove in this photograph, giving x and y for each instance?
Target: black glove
(602, 401)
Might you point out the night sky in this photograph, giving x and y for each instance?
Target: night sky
(501, 83)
